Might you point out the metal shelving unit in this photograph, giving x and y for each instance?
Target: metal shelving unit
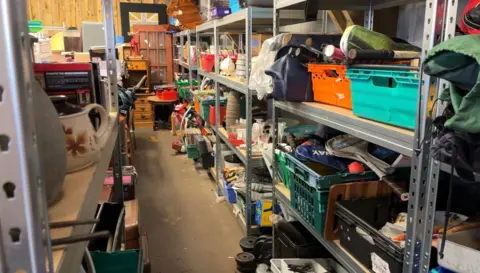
(180, 58)
(240, 218)
(26, 237)
(440, 19)
(246, 22)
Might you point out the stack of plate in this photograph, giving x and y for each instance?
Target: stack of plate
(241, 67)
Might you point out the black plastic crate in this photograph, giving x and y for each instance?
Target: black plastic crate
(207, 160)
(370, 215)
(286, 247)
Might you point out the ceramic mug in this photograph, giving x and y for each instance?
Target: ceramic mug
(83, 143)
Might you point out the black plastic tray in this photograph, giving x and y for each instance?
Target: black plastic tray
(286, 247)
(370, 215)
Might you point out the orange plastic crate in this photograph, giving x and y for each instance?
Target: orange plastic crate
(331, 85)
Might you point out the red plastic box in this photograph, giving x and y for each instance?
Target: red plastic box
(223, 113)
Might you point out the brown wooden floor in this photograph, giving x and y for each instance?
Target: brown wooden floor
(187, 230)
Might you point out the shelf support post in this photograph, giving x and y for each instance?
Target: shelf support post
(248, 167)
(425, 170)
(111, 60)
(180, 61)
(189, 44)
(368, 19)
(23, 208)
(218, 143)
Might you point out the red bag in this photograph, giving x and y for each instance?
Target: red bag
(470, 20)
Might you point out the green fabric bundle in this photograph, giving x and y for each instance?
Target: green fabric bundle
(457, 61)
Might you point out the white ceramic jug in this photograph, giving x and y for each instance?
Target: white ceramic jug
(82, 143)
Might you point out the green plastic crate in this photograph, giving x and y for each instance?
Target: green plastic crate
(185, 93)
(310, 185)
(205, 107)
(183, 87)
(309, 202)
(320, 176)
(282, 168)
(127, 261)
(192, 151)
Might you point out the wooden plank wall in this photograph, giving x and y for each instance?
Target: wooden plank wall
(73, 12)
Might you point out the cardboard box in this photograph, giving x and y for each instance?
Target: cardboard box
(257, 41)
(263, 210)
(132, 244)
(131, 220)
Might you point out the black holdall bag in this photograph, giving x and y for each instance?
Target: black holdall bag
(291, 79)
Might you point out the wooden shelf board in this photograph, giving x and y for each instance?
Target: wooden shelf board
(282, 189)
(80, 194)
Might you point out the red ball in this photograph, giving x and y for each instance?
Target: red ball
(356, 167)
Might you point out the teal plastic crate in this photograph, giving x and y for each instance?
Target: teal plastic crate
(192, 151)
(388, 96)
(309, 189)
(205, 107)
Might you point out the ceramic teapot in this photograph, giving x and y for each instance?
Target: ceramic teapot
(82, 142)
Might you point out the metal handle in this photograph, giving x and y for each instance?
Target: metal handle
(80, 238)
(64, 224)
(399, 191)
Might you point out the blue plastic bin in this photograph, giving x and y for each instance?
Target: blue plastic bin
(388, 96)
(235, 6)
(230, 193)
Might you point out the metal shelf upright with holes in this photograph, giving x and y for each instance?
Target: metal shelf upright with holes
(26, 244)
(243, 23)
(439, 25)
(179, 60)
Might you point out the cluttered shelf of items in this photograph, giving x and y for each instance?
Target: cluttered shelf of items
(347, 115)
(330, 177)
(85, 212)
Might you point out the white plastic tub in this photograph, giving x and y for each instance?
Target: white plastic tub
(320, 265)
(462, 251)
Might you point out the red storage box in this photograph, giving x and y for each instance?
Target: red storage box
(223, 113)
(331, 85)
(167, 95)
(208, 62)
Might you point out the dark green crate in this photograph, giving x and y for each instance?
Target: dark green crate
(321, 176)
(309, 189)
(309, 202)
(192, 151)
(127, 261)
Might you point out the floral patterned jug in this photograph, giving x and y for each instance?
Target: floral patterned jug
(82, 143)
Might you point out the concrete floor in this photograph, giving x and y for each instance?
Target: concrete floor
(187, 230)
